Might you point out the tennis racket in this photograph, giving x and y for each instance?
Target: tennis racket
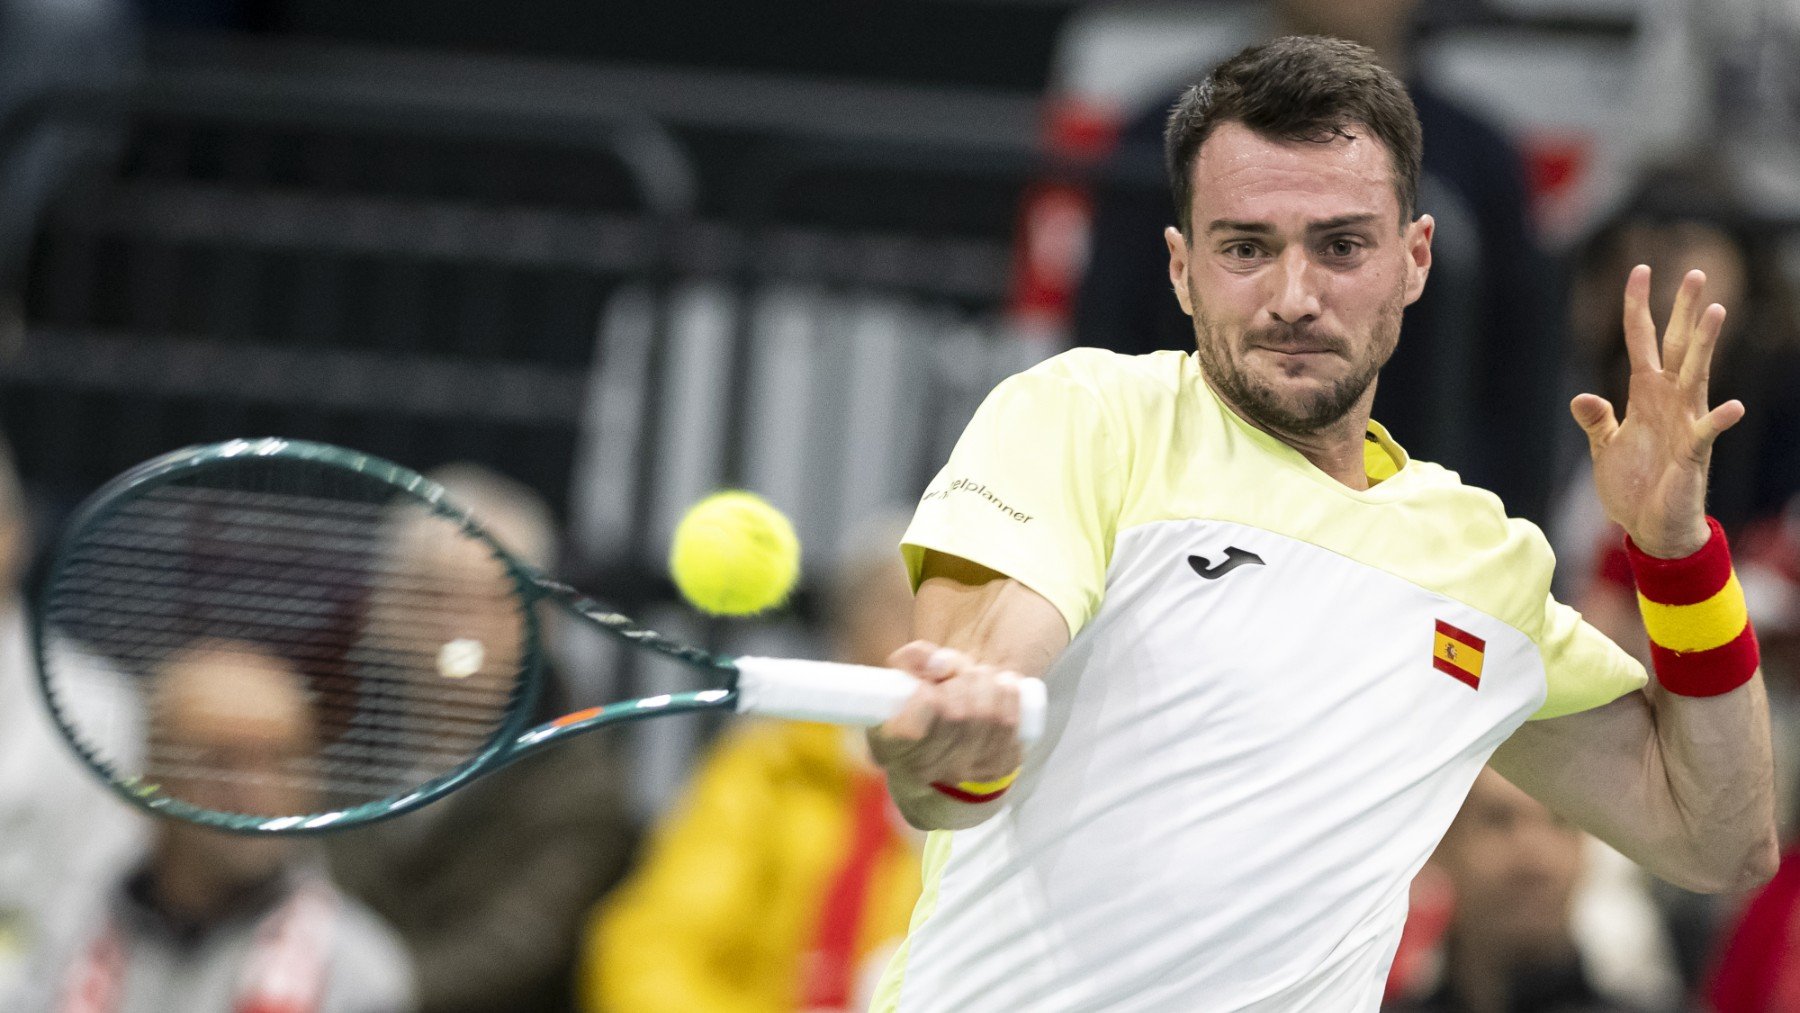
(276, 636)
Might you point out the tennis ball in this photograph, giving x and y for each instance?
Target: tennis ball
(734, 555)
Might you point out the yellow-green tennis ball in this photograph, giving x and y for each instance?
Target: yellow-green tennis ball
(734, 555)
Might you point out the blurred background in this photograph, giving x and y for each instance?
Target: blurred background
(625, 253)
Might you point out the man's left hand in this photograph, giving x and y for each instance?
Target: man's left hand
(1650, 469)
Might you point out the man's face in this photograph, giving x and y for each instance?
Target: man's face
(1514, 867)
(1297, 273)
(232, 731)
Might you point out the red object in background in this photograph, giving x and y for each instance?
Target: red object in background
(1556, 164)
(829, 972)
(1076, 129)
(1759, 966)
(1431, 902)
(1051, 245)
(1050, 253)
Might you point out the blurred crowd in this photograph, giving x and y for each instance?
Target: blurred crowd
(782, 878)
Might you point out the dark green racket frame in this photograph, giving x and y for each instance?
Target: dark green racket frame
(510, 742)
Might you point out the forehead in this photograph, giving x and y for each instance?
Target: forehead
(1243, 176)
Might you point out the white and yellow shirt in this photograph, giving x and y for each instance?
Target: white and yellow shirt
(1278, 693)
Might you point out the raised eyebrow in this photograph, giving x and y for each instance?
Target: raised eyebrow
(1343, 222)
(1264, 228)
(1229, 225)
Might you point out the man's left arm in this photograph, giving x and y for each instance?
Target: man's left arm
(1684, 786)
(1678, 776)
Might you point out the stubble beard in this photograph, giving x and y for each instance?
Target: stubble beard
(1259, 400)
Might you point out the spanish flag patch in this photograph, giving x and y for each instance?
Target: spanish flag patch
(1457, 654)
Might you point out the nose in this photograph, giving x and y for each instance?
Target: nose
(1295, 298)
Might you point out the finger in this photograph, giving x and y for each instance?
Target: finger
(1010, 697)
(1715, 422)
(944, 663)
(911, 658)
(978, 701)
(1696, 369)
(916, 718)
(1594, 414)
(1000, 705)
(1640, 328)
(1683, 319)
(1005, 716)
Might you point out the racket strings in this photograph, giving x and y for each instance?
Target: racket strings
(282, 640)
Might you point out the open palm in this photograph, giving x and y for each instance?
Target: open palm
(1650, 469)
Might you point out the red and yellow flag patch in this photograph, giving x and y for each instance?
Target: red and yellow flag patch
(1458, 654)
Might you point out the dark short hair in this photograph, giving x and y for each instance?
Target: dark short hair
(1297, 88)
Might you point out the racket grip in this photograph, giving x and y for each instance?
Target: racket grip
(843, 694)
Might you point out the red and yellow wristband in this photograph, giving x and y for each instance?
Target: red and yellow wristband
(976, 792)
(1701, 642)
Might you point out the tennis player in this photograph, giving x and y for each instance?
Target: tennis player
(1279, 650)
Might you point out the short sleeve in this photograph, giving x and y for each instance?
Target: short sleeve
(1032, 491)
(1583, 667)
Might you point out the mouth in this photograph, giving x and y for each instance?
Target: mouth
(1298, 353)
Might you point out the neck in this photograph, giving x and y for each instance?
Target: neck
(192, 889)
(1335, 449)
(186, 891)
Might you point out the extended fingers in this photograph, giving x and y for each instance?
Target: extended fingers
(1684, 318)
(1715, 422)
(1640, 327)
(1696, 368)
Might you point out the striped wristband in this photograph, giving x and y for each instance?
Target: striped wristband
(1700, 637)
(977, 791)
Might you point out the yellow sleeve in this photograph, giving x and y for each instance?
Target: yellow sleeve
(1033, 489)
(1584, 669)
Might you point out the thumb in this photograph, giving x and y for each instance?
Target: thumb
(1594, 414)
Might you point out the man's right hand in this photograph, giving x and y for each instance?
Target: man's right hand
(961, 725)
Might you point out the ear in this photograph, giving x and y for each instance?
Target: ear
(1178, 267)
(1418, 256)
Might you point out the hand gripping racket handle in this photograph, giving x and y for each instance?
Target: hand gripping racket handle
(850, 694)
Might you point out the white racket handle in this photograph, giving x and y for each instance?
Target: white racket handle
(843, 694)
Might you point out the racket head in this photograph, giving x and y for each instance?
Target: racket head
(261, 636)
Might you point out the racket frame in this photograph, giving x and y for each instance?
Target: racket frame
(510, 742)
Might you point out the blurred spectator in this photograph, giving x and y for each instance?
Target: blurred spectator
(1511, 869)
(216, 921)
(784, 878)
(63, 837)
(489, 885)
(1470, 385)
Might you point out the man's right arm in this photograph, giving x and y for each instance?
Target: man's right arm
(978, 631)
